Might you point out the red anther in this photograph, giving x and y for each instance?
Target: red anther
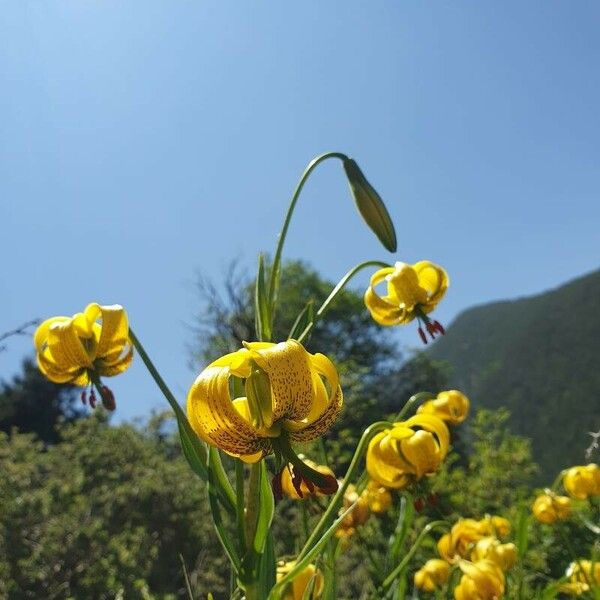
(84, 398)
(108, 399)
(92, 399)
(439, 327)
(423, 336)
(419, 504)
(277, 486)
(331, 487)
(297, 482)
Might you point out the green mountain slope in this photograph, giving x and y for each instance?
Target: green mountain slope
(540, 357)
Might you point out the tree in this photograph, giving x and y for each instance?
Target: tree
(31, 403)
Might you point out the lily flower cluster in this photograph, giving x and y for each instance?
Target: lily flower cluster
(583, 575)
(476, 548)
(580, 483)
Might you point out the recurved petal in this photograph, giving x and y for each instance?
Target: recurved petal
(116, 366)
(214, 418)
(434, 425)
(383, 312)
(288, 368)
(384, 463)
(114, 335)
(422, 452)
(65, 346)
(40, 337)
(324, 422)
(58, 375)
(432, 278)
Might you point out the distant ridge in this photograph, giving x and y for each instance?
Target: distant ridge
(540, 357)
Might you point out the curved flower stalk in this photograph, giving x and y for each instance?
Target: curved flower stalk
(549, 508)
(289, 394)
(81, 349)
(582, 482)
(299, 585)
(451, 406)
(413, 291)
(482, 580)
(433, 575)
(410, 450)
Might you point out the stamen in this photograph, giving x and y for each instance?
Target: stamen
(108, 398)
(423, 336)
(92, 398)
(84, 398)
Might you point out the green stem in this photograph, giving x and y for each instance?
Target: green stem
(337, 289)
(288, 217)
(239, 494)
(337, 499)
(404, 562)
(420, 397)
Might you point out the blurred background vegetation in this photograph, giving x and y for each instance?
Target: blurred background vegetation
(91, 510)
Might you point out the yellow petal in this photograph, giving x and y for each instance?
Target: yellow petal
(66, 347)
(287, 366)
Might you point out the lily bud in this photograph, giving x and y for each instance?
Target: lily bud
(370, 205)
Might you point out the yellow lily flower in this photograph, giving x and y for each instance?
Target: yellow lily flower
(409, 451)
(465, 533)
(582, 481)
(581, 576)
(78, 350)
(491, 548)
(413, 291)
(295, 590)
(298, 488)
(432, 575)
(482, 580)
(549, 508)
(377, 496)
(288, 394)
(451, 406)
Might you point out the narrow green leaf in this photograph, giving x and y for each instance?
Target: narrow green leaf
(267, 569)
(370, 205)
(306, 317)
(266, 509)
(261, 304)
(215, 510)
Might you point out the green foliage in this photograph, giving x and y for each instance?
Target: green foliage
(33, 404)
(499, 469)
(104, 514)
(538, 357)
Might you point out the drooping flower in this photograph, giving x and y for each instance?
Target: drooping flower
(297, 588)
(482, 580)
(357, 516)
(413, 291)
(451, 406)
(81, 349)
(582, 481)
(297, 488)
(432, 575)
(549, 508)
(408, 451)
(282, 393)
(378, 497)
(491, 548)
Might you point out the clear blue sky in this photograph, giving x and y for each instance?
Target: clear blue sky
(141, 142)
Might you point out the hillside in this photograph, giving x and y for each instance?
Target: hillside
(540, 357)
